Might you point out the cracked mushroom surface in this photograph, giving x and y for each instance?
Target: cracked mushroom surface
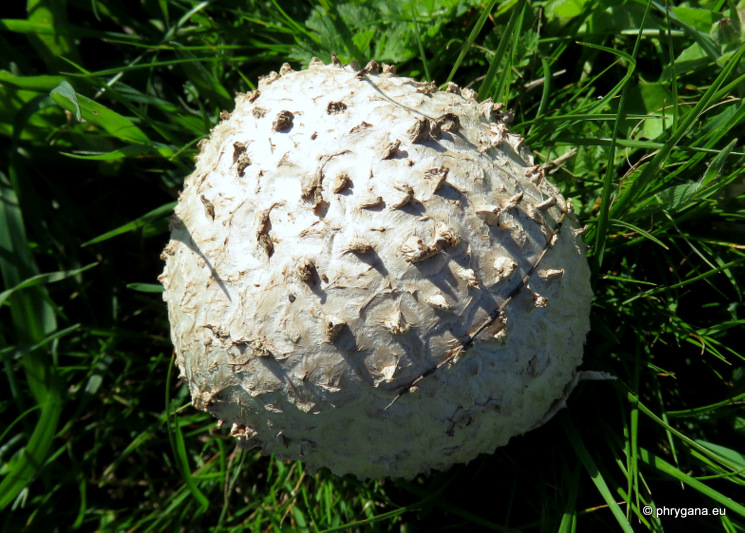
(372, 275)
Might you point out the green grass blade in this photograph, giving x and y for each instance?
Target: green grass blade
(688, 441)
(640, 231)
(508, 37)
(601, 231)
(57, 43)
(91, 111)
(652, 169)
(17, 352)
(660, 465)
(733, 457)
(569, 517)
(145, 220)
(717, 164)
(145, 287)
(50, 277)
(67, 99)
(33, 318)
(26, 466)
(17, 421)
(471, 38)
(42, 83)
(597, 477)
(731, 402)
(704, 40)
(178, 446)
(133, 150)
(663, 289)
(420, 44)
(618, 87)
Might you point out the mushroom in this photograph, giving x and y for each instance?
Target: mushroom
(380, 339)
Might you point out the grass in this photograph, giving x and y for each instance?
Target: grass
(101, 106)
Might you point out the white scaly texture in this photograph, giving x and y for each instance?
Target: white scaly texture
(373, 276)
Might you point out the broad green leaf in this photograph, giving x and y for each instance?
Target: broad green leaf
(657, 100)
(698, 18)
(568, 8)
(726, 32)
(701, 38)
(689, 60)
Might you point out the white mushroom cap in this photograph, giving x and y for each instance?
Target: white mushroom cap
(365, 273)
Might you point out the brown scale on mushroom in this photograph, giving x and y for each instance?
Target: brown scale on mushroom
(336, 107)
(341, 182)
(241, 160)
(420, 131)
(390, 149)
(283, 122)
